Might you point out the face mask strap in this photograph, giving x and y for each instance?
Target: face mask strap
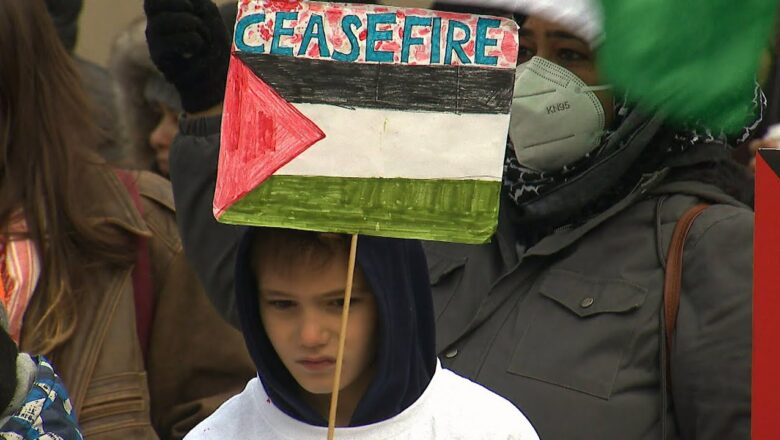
(596, 88)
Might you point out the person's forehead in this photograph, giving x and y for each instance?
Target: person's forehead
(467, 9)
(539, 26)
(581, 17)
(314, 274)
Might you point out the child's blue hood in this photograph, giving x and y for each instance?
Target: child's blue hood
(406, 356)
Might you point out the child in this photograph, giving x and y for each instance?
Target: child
(290, 293)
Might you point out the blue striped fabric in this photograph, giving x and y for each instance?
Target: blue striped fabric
(46, 413)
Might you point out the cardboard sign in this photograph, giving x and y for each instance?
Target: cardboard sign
(366, 119)
(766, 298)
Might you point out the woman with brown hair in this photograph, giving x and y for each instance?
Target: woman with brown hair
(92, 270)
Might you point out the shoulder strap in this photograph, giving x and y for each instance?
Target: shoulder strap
(142, 272)
(673, 275)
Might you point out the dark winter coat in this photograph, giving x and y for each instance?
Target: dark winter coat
(571, 329)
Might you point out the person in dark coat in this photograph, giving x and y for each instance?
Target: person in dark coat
(562, 311)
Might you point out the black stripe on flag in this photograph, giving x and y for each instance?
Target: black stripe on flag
(448, 89)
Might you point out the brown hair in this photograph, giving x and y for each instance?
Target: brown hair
(45, 131)
(288, 248)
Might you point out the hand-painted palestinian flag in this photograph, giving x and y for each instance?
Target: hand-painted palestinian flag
(366, 119)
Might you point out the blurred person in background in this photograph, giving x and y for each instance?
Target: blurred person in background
(96, 80)
(92, 270)
(148, 105)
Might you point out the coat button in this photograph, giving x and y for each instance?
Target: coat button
(451, 354)
(587, 302)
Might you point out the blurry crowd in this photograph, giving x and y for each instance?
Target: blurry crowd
(129, 313)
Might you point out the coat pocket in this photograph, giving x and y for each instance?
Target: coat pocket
(579, 331)
(116, 404)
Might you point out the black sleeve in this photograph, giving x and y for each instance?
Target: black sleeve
(209, 246)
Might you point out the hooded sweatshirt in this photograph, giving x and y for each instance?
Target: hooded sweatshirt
(410, 397)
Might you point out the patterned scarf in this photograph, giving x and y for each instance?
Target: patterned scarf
(524, 184)
(46, 412)
(20, 269)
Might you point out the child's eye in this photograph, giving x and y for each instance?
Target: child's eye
(281, 304)
(339, 303)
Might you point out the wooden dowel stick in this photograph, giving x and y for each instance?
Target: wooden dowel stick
(334, 397)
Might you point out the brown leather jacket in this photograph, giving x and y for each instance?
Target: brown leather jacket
(195, 360)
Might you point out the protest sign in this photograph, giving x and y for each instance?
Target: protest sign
(648, 47)
(766, 298)
(366, 119)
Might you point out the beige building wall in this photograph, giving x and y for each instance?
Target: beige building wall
(102, 20)
(100, 23)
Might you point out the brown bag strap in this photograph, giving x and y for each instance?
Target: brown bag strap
(673, 276)
(143, 289)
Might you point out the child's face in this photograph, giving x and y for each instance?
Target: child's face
(161, 138)
(301, 310)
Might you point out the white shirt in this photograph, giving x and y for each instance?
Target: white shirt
(450, 408)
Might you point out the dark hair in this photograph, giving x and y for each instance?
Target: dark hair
(289, 248)
(46, 132)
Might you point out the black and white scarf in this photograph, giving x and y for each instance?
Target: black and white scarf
(524, 184)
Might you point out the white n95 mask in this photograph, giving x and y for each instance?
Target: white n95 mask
(556, 118)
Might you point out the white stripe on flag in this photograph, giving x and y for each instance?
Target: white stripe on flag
(394, 144)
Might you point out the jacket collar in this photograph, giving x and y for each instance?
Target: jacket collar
(512, 250)
(108, 202)
(564, 237)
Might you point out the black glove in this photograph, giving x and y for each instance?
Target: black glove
(189, 44)
(8, 353)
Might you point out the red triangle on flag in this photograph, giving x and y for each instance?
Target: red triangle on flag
(261, 132)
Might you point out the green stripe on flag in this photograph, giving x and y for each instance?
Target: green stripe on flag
(444, 210)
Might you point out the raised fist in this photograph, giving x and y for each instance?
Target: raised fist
(189, 44)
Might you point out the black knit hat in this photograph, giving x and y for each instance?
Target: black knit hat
(8, 353)
(65, 14)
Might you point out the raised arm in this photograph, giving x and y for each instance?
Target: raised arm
(189, 44)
